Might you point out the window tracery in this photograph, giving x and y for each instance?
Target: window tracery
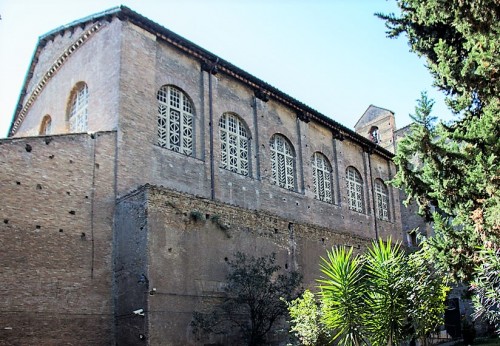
(355, 194)
(382, 199)
(78, 112)
(175, 120)
(234, 144)
(282, 162)
(322, 178)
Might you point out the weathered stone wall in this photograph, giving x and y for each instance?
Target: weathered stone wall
(189, 240)
(56, 235)
(131, 283)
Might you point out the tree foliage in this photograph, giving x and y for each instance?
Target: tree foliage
(306, 319)
(254, 302)
(381, 297)
(386, 295)
(343, 293)
(457, 179)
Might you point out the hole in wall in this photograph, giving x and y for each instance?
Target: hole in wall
(38, 186)
(207, 216)
(28, 148)
(97, 165)
(286, 265)
(18, 182)
(86, 197)
(48, 140)
(68, 193)
(38, 226)
(51, 156)
(169, 249)
(61, 230)
(82, 236)
(275, 231)
(70, 161)
(225, 259)
(72, 212)
(5, 221)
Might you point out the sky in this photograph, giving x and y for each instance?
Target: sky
(332, 55)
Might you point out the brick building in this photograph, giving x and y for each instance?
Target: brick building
(125, 131)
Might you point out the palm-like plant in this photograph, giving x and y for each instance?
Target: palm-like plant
(385, 314)
(343, 296)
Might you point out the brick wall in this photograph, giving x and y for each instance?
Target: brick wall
(187, 241)
(56, 235)
(96, 62)
(148, 63)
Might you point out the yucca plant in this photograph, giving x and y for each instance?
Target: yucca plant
(385, 312)
(343, 295)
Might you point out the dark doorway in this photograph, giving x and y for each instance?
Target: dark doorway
(452, 318)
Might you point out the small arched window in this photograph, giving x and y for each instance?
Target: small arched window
(382, 198)
(355, 194)
(374, 134)
(322, 177)
(175, 120)
(282, 162)
(233, 144)
(46, 125)
(78, 113)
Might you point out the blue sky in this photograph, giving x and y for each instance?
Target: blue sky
(332, 55)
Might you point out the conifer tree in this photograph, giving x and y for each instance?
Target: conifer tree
(457, 178)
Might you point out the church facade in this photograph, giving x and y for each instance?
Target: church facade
(138, 163)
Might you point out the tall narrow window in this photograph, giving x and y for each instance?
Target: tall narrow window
(233, 144)
(374, 134)
(382, 198)
(78, 108)
(282, 162)
(46, 126)
(322, 178)
(175, 120)
(355, 194)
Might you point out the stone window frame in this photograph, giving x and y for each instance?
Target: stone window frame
(45, 125)
(355, 190)
(78, 108)
(322, 178)
(175, 118)
(283, 162)
(234, 144)
(381, 200)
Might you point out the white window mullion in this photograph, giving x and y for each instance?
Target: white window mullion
(175, 120)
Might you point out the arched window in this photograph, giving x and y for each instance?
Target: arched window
(374, 134)
(175, 120)
(233, 144)
(78, 108)
(322, 178)
(46, 126)
(382, 198)
(282, 162)
(355, 194)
